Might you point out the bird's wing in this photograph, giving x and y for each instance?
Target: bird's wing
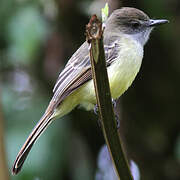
(78, 70)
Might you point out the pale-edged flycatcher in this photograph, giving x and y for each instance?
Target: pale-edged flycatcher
(126, 32)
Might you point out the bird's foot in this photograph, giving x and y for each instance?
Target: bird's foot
(96, 110)
(114, 103)
(117, 121)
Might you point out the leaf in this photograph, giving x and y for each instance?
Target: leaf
(105, 12)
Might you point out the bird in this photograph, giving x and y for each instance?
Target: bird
(126, 32)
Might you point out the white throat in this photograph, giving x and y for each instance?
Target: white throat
(142, 37)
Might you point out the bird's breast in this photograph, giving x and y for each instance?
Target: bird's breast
(121, 73)
(124, 69)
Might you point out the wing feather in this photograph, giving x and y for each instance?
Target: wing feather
(78, 70)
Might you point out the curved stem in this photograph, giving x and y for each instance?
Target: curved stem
(94, 33)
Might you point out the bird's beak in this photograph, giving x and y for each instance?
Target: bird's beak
(156, 22)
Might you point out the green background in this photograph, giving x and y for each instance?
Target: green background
(36, 40)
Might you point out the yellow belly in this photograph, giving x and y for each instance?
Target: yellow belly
(121, 74)
(124, 70)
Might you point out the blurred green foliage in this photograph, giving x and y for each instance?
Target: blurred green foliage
(36, 40)
(26, 31)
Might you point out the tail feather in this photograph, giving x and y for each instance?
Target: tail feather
(37, 131)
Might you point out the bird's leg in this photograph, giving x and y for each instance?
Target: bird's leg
(96, 111)
(113, 103)
(117, 121)
(116, 116)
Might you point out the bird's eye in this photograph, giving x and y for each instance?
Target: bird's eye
(135, 25)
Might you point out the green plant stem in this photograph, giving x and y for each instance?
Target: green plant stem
(94, 34)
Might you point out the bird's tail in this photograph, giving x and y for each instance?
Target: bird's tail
(37, 131)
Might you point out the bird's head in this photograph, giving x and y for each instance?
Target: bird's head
(133, 22)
